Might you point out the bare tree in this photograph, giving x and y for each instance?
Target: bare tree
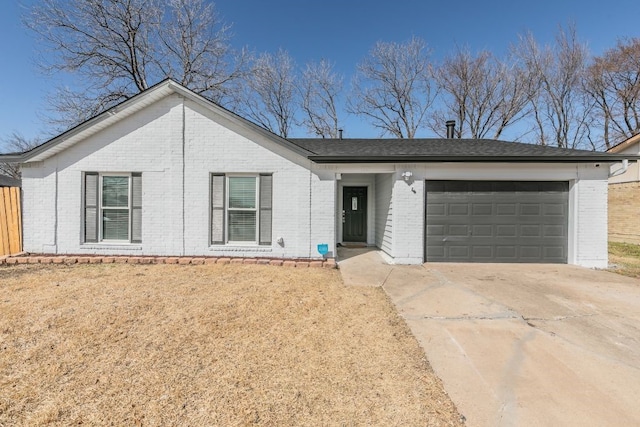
(16, 143)
(392, 87)
(560, 106)
(270, 95)
(613, 82)
(117, 48)
(320, 88)
(484, 95)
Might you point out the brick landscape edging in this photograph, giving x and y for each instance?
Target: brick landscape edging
(97, 259)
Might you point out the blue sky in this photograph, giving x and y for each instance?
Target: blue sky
(341, 31)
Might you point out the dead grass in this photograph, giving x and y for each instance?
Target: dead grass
(626, 258)
(207, 345)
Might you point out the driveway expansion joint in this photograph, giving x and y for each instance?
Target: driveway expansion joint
(499, 316)
(558, 318)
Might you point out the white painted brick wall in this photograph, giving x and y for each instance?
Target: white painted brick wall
(323, 214)
(212, 148)
(591, 219)
(408, 219)
(151, 142)
(38, 207)
(384, 212)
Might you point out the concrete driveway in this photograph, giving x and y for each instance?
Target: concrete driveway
(521, 345)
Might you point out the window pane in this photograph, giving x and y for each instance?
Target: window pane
(242, 226)
(115, 224)
(242, 193)
(115, 191)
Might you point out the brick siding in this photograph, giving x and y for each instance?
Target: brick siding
(624, 212)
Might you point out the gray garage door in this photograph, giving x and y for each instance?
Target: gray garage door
(497, 221)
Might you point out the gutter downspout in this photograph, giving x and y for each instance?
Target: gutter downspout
(624, 166)
(183, 172)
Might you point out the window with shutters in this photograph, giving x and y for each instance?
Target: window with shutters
(112, 207)
(241, 209)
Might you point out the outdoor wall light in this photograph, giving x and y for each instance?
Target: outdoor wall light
(407, 175)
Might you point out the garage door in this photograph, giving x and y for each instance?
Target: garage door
(497, 221)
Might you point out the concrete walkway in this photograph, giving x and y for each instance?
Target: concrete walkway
(520, 345)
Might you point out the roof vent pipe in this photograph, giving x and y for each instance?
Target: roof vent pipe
(451, 126)
(340, 133)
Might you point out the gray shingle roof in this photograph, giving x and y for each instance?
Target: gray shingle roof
(439, 149)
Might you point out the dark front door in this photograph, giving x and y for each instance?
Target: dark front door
(354, 208)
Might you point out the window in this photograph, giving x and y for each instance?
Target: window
(112, 207)
(241, 209)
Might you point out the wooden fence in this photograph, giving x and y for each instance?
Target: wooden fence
(10, 221)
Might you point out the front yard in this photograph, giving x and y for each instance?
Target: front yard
(115, 344)
(625, 258)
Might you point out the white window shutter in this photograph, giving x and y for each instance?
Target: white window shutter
(91, 207)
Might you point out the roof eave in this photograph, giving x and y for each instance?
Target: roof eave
(48, 148)
(624, 144)
(473, 159)
(40, 152)
(12, 158)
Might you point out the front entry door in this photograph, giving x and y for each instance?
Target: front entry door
(354, 214)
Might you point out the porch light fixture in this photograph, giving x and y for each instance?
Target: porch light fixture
(407, 175)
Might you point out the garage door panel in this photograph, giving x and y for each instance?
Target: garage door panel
(483, 252)
(436, 209)
(482, 209)
(554, 209)
(459, 252)
(435, 230)
(530, 230)
(436, 252)
(505, 209)
(530, 253)
(554, 231)
(497, 221)
(458, 209)
(459, 230)
(506, 253)
(482, 230)
(506, 231)
(530, 209)
(551, 252)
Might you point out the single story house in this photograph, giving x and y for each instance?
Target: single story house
(624, 195)
(169, 173)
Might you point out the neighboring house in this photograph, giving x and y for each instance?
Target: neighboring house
(624, 195)
(171, 173)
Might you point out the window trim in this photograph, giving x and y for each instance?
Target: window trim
(100, 209)
(228, 209)
(256, 242)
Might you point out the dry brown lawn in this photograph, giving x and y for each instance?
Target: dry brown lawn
(207, 345)
(626, 259)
